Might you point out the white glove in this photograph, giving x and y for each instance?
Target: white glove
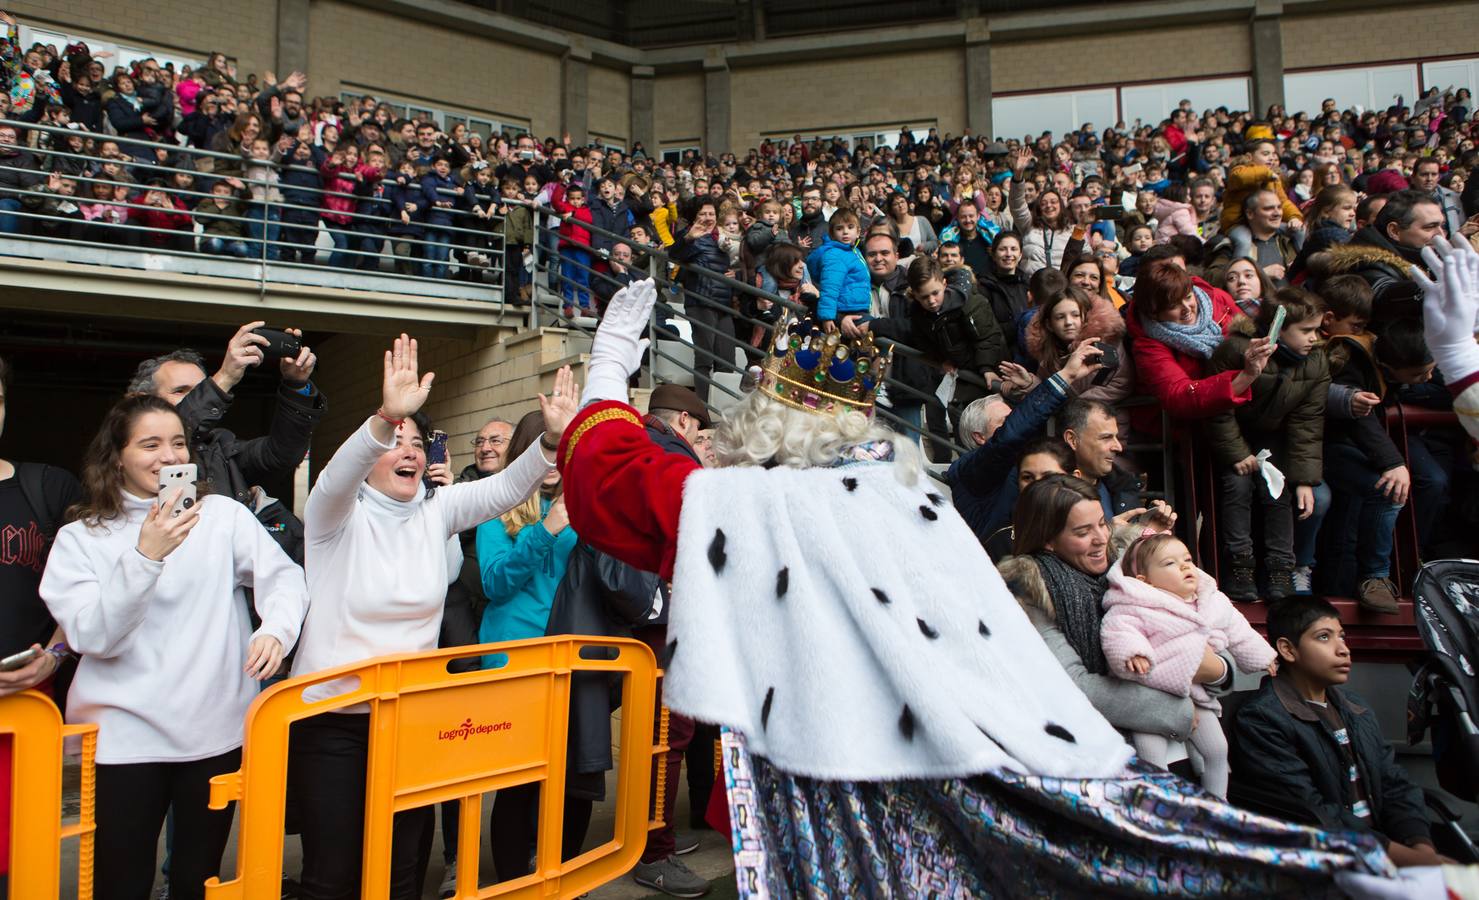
(1451, 306)
(618, 347)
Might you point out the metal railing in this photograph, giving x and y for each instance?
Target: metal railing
(660, 265)
(277, 215)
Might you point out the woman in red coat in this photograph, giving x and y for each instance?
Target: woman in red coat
(1175, 322)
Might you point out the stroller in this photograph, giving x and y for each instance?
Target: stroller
(1445, 692)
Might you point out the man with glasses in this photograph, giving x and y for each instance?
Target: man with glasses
(19, 170)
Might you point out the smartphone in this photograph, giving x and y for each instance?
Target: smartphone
(1132, 169)
(436, 448)
(178, 478)
(1277, 325)
(1108, 212)
(280, 344)
(20, 660)
(436, 452)
(1108, 356)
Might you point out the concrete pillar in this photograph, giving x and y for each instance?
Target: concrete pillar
(716, 102)
(575, 69)
(643, 123)
(292, 37)
(1267, 38)
(978, 77)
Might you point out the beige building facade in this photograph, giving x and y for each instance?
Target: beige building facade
(991, 74)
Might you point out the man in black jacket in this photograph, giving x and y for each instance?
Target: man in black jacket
(1317, 747)
(1383, 252)
(19, 169)
(231, 465)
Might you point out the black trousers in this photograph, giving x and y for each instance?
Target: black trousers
(514, 823)
(327, 763)
(132, 802)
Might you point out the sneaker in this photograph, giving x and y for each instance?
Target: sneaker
(1304, 581)
(1378, 595)
(1240, 583)
(449, 880)
(1280, 584)
(671, 877)
(684, 844)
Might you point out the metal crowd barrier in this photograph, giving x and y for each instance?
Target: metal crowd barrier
(659, 266)
(359, 245)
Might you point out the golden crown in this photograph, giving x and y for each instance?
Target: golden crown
(819, 371)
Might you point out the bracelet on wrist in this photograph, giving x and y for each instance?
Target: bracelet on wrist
(61, 651)
(544, 442)
(394, 422)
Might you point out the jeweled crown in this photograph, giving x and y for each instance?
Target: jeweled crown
(817, 371)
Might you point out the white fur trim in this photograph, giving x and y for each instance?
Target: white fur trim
(837, 663)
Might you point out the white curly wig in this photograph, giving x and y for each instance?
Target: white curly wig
(761, 430)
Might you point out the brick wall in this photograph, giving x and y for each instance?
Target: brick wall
(1405, 32)
(842, 93)
(678, 107)
(608, 110)
(1144, 55)
(349, 44)
(496, 373)
(246, 29)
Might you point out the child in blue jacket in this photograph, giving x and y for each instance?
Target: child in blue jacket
(839, 272)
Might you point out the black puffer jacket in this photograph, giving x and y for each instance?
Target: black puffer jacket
(1007, 293)
(697, 256)
(897, 325)
(1382, 264)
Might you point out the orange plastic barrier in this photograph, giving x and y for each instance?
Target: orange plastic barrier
(439, 736)
(36, 831)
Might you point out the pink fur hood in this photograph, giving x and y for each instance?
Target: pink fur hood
(1141, 620)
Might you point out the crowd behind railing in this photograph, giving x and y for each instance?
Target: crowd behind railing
(1259, 278)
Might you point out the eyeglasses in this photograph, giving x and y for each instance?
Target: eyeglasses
(480, 442)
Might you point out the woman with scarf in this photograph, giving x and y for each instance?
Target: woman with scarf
(132, 117)
(1175, 322)
(1061, 553)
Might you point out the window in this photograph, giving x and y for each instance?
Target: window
(121, 55)
(1369, 87)
(1452, 73)
(856, 138)
(608, 143)
(1029, 115)
(1152, 103)
(444, 118)
(675, 154)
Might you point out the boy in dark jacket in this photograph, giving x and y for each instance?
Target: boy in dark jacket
(442, 197)
(300, 182)
(1318, 747)
(1368, 475)
(403, 193)
(1285, 417)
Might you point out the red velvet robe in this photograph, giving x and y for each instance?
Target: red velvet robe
(622, 491)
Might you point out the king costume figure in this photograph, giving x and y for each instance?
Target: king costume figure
(894, 726)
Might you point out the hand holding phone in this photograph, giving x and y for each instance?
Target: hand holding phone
(280, 344)
(21, 660)
(1276, 327)
(177, 483)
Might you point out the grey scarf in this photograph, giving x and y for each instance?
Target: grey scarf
(1078, 604)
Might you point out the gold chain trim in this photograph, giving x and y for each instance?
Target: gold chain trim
(605, 415)
(1470, 411)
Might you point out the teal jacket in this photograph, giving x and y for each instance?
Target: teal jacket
(520, 577)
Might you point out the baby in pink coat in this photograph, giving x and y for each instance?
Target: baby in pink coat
(1160, 614)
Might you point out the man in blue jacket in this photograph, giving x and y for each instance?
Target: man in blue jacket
(983, 482)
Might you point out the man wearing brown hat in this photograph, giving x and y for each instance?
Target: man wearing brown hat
(674, 418)
(676, 410)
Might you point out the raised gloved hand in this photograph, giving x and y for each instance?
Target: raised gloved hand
(619, 346)
(1451, 306)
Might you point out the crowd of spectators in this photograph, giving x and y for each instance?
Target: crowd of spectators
(1249, 273)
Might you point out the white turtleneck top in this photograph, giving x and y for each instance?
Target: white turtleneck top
(164, 643)
(377, 567)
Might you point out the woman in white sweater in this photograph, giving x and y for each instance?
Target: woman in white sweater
(156, 605)
(375, 547)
